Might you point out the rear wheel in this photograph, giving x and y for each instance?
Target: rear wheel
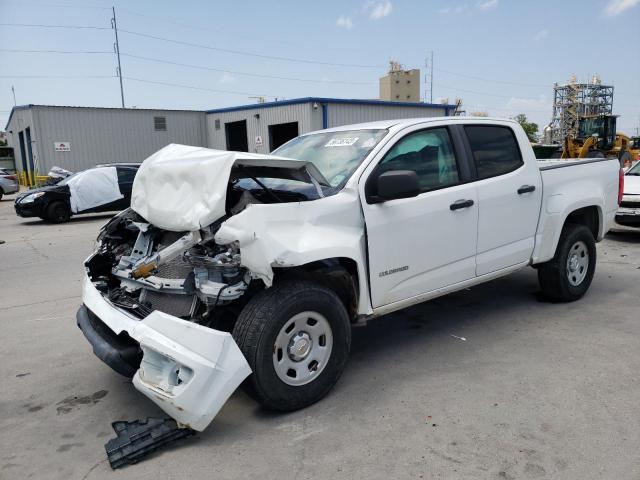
(568, 275)
(296, 337)
(58, 212)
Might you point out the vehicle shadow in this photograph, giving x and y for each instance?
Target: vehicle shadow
(72, 220)
(386, 344)
(624, 236)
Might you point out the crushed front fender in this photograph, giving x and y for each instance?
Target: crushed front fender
(188, 370)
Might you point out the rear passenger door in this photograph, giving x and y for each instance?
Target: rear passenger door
(509, 196)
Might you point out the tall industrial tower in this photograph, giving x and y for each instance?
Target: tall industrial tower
(575, 100)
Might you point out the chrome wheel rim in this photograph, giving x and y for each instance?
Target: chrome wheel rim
(577, 263)
(302, 348)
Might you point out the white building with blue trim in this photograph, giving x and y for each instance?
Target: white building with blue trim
(76, 138)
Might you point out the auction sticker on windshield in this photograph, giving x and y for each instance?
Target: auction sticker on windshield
(341, 142)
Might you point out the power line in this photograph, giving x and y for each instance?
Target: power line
(13, 50)
(38, 25)
(245, 53)
(57, 5)
(58, 76)
(235, 72)
(193, 87)
(473, 77)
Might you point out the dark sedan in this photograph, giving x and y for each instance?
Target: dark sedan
(104, 188)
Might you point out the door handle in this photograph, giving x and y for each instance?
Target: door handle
(458, 204)
(526, 189)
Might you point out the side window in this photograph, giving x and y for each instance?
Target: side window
(495, 150)
(429, 153)
(126, 175)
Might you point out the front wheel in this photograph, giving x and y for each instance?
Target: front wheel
(296, 337)
(568, 275)
(58, 212)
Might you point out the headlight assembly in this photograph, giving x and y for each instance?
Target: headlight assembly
(32, 197)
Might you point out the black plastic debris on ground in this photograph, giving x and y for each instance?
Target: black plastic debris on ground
(139, 438)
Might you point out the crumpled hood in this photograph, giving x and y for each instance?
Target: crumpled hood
(631, 185)
(182, 188)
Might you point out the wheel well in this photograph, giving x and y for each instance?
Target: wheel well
(587, 216)
(339, 274)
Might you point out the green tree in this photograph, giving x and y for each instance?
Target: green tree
(530, 128)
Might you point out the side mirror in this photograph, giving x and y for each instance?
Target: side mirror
(396, 184)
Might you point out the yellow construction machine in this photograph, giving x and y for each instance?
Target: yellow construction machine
(596, 137)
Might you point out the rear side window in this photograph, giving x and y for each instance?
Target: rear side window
(495, 149)
(126, 175)
(429, 153)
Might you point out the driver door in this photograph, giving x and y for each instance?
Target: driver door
(427, 242)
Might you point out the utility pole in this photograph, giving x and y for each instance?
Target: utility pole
(431, 76)
(14, 95)
(116, 47)
(428, 78)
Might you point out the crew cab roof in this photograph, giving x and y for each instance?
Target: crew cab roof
(399, 124)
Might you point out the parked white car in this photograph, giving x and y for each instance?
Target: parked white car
(629, 212)
(8, 183)
(232, 265)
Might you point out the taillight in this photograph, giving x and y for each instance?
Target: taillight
(12, 177)
(620, 186)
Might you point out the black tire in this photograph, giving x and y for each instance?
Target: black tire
(1, 193)
(556, 279)
(58, 212)
(595, 154)
(258, 326)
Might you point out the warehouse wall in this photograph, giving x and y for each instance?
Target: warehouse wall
(308, 119)
(346, 114)
(110, 135)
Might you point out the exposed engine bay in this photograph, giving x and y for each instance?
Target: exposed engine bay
(141, 268)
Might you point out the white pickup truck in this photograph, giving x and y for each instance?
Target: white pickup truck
(233, 267)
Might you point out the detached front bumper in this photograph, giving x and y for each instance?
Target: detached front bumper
(186, 369)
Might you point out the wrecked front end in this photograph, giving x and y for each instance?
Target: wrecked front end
(154, 308)
(170, 275)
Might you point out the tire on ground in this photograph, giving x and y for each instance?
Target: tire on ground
(58, 212)
(554, 275)
(261, 321)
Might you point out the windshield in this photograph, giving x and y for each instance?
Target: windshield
(335, 154)
(66, 180)
(635, 170)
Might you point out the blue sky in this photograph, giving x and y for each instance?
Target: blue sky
(499, 56)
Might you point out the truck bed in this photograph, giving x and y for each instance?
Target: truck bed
(567, 189)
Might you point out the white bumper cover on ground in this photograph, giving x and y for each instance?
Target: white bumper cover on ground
(188, 370)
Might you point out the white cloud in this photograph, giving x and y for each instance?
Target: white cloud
(344, 22)
(378, 10)
(488, 5)
(541, 35)
(456, 9)
(536, 104)
(227, 78)
(616, 7)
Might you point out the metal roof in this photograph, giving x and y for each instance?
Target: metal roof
(31, 105)
(320, 100)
